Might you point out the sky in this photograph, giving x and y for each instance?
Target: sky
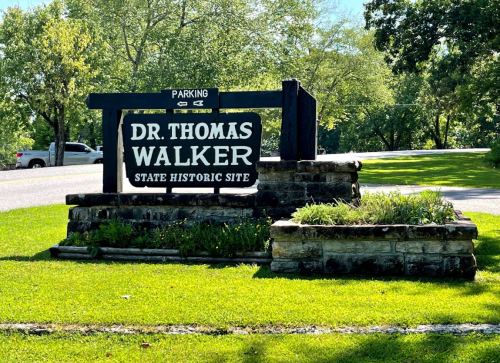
(356, 6)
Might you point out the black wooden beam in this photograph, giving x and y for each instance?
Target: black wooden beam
(289, 123)
(308, 126)
(157, 101)
(112, 178)
(125, 101)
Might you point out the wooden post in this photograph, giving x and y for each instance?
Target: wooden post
(216, 112)
(170, 114)
(112, 176)
(307, 126)
(289, 124)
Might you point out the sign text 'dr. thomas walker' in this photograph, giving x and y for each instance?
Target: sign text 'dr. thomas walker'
(192, 150)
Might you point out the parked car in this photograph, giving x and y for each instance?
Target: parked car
(74, 153)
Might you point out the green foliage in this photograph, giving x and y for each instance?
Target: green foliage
(375, 125)
(342, 69)
(456, 50)
(493, 157)
(162, 44)
(473, 132)
(49, 64)
(464, 26)
(425, 207)
(326, 214)
(14, 125)
(217, 239)
(269, 145)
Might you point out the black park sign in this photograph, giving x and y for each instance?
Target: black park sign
(192, 150)
(214, 149)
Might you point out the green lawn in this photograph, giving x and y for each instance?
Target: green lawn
(62, 347)
(457, 170)
(36, 288)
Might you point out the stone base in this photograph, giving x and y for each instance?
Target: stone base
(389, 250)
(297, 183)
(283, 187)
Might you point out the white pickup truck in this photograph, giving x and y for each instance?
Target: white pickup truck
(74, 154)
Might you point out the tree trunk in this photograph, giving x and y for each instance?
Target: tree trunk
(60, 137)
(446, 131)
(83, 132)
(92, 139)
(384, 140)
(398, 140)
(437, 132)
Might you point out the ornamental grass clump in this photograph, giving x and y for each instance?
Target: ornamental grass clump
(426, 207)
(218, 239)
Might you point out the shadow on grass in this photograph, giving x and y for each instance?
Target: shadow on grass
(487, 251)
(40, 256)
(488, 244)
(270, 348)
(264, 272)
(367, 348)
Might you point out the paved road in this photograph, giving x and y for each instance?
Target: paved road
(45, 186)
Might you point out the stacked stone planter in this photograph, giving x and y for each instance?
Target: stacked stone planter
(283, 187)
(376, 250)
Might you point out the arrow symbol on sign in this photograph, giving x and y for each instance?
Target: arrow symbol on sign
(182, 104)
(198, 103)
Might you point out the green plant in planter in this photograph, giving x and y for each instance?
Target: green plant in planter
(426, 207)
(216, 239)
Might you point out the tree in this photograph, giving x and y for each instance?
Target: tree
(159, 44)
(342, 62)
(392, 123)
(410, 31)
(14, 126)
(48, 62)
(454, 43)
(413, 33)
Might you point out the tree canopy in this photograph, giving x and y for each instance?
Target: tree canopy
(48, 63)
(422, 73)
(410, 31)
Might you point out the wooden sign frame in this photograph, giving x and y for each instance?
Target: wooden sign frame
(299, 128)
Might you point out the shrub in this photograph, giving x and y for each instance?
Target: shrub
(269, 145)
(381, 208)
(493, 156)
(217, 239)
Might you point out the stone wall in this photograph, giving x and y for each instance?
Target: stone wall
(151, 210)
(382, 250)
(283, 187)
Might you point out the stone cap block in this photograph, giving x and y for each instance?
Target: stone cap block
(285, 229)
(158, 199)
(284, 166)
(461, 216)
(455, 231)
(461, 231)
(329, 166)
(227, 200)
(352, 232)
(426, 231)
(93, 199)
(308, 166)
